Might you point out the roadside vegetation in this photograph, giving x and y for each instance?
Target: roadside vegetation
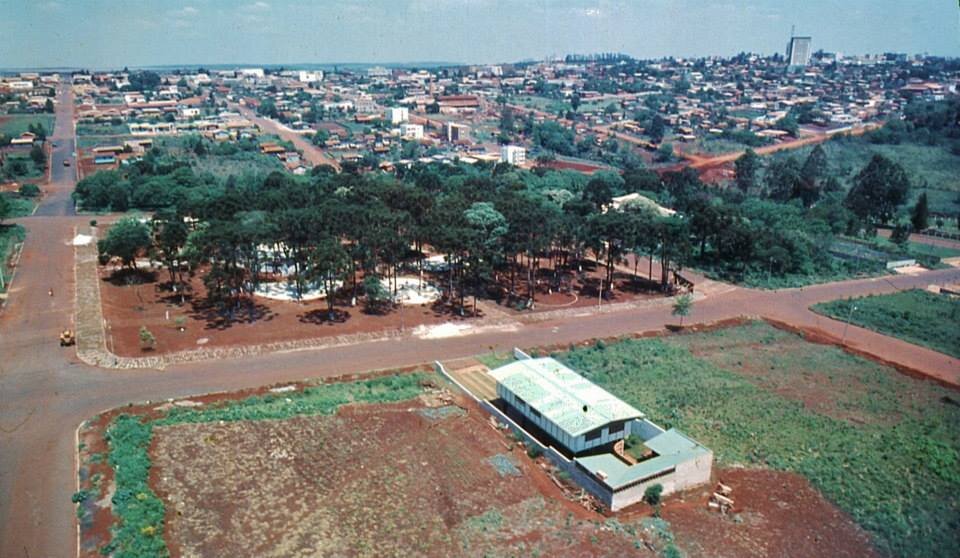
(139, 513)
(882, 446)
(916, 316)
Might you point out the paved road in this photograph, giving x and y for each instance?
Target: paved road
(45, 392)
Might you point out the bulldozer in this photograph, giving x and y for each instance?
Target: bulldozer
(67, 338)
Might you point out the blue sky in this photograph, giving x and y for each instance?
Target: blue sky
(104, 34)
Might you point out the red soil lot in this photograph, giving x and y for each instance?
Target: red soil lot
(258, 320)
(148, 302)
(775, 514)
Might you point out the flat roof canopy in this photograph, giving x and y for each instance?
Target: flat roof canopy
(562, 396)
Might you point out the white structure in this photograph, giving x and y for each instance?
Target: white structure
(576, 413)
(513, 154)
(309, 77)
(456, 132)
(798, 51)
(251, 72)
(575, 421)
(411, 131)
(397, 115)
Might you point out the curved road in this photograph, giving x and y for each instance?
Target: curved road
(45, 392)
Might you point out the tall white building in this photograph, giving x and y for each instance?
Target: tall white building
(798, 51)
(397, 115)
(513, 154)
(309, 77)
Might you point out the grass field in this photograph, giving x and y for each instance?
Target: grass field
(932, 169)
(19, 206)
(915, 316)
(882, 446)
(102, 129)
(16, 124)
(10, 236)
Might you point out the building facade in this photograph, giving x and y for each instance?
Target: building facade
(513, 154)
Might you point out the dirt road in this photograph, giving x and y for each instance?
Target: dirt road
(45, 392)
(311, 153)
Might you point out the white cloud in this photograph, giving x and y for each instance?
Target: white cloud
(592, 12)
(185, 12)
(256, 7)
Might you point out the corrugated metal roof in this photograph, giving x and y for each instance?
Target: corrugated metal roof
(671, 447)
(564, 397)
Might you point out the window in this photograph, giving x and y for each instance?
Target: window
(534, 412)
(520, 401)
(594, 434)
(615, 427)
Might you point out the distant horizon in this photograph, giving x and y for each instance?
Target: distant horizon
(413, 64)
(179, 33)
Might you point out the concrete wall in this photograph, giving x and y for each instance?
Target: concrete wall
(645, 429)
(686, 475)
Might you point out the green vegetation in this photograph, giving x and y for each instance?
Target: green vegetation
(114, 128)
(916, 316)
(10, 236)
(139, 513)
(14, 125)
(882, 446)
(17, 204)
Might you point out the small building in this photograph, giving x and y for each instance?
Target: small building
(573, 411)
(456, 132)
(411, 131)
(513, 154)
(396, 115)
(585, 429)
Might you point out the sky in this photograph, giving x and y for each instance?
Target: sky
(112, 34)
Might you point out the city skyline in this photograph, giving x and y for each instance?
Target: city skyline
(190, 32)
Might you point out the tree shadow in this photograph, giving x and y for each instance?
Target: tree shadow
(221, 316)
(323, 316)
(126, 276)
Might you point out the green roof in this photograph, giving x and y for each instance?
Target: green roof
(561, 395)
(671, 447)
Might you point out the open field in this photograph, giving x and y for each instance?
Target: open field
(915, 316)
(880, 445)
(390, 466)
(933, 169)
(12, 125)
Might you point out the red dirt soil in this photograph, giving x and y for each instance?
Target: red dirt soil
(377, 480)
(775, 514)
(259, 320)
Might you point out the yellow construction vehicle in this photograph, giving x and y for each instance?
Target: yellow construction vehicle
(67, 338)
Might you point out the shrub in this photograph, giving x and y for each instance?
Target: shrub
(534, 452)
(29, 190)
(652, 494)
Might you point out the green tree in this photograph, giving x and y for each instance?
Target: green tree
(746, 167)
(682, 307)
(328, 264)
(657, 128)
(5, 208)
(878, 190)
(812, 176)
(126, 239)
(48, 106)
(921, 214)
(575, 101)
